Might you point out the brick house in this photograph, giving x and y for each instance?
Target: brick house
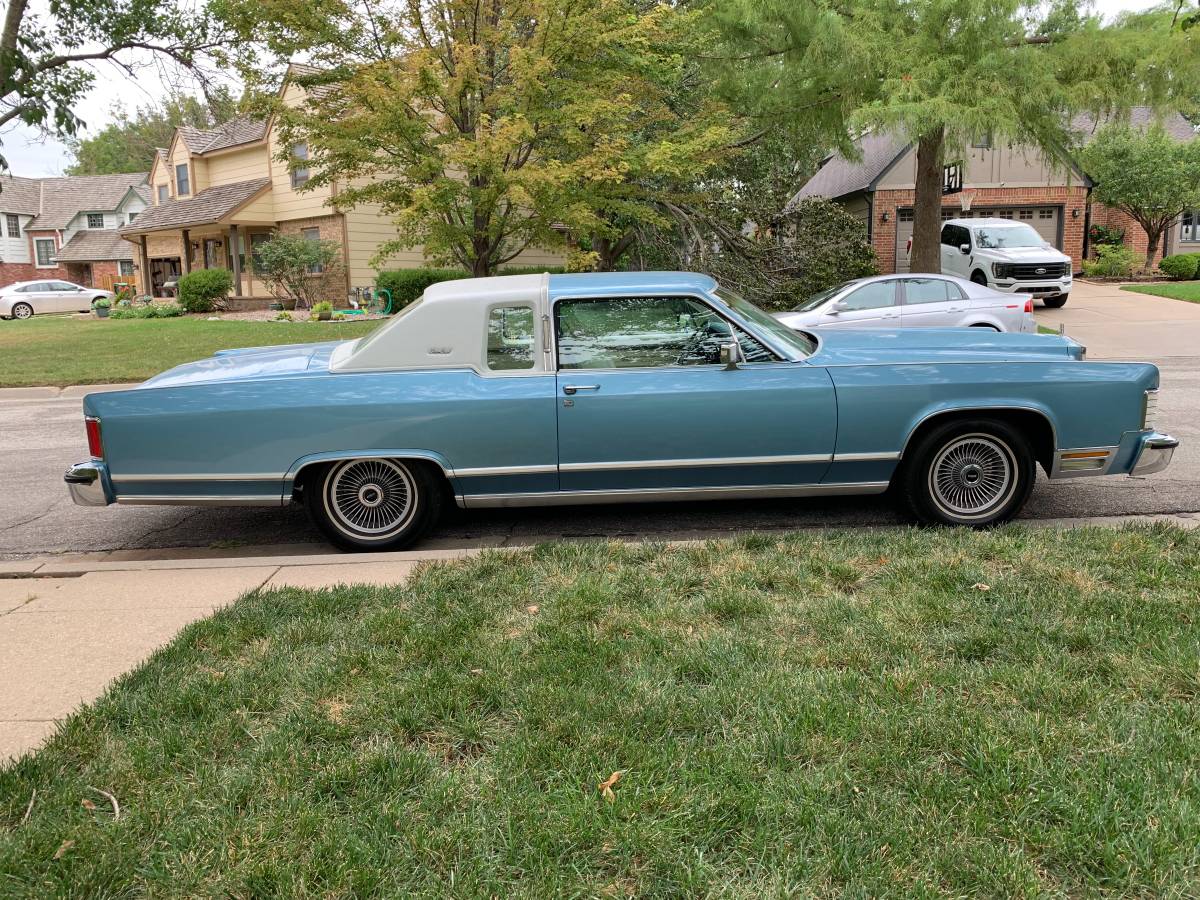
(225, 188)
(66, 227)
(1004, 181)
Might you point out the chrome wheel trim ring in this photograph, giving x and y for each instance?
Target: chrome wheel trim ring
(22, 311)
(973, 476)
(370, 499)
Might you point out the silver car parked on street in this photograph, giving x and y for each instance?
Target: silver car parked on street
(913, 301)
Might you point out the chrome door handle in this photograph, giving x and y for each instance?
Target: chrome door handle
(572, 388)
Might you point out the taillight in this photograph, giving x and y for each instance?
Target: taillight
(95, 448)
(1029, 305)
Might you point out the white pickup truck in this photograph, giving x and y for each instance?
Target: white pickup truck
(1006, 256)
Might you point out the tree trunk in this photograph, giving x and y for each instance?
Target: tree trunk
(926, 253)
(1152, 239)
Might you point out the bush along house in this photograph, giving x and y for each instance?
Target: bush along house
(992, 180)
(217, 195)
(67, 228)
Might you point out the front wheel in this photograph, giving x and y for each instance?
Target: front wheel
(373, 504)
(975, 472)
(979, 278)
(22, 311)
(1055, 302)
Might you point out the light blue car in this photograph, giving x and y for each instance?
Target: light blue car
(604, 388)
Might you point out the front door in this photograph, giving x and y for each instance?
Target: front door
(645, 405)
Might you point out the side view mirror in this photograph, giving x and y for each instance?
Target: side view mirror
(964, 249)
(837, 306)
(731, 355)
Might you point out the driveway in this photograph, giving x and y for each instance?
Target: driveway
(40, 438)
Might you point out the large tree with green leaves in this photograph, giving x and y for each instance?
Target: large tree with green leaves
(1146, 174)
(47, 54)
(940, 71)
(485, 127)
(128, 143)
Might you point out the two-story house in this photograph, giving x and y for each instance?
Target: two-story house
(997, 179)
(217, 194)
(67, 227)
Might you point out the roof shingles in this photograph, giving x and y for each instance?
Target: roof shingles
(92, 245)
(206, 207)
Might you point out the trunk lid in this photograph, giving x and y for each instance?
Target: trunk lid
(240, 364)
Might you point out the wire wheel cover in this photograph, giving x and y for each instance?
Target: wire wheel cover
(973, 475)
(371, 498)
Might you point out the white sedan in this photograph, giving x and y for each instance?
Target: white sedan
(913, 301)
(28, 298)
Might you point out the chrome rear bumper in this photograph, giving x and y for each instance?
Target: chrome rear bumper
(1155, 454)
(85, 481)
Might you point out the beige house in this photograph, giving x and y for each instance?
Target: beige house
(216, 195)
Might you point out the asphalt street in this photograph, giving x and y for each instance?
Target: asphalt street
(40, 438)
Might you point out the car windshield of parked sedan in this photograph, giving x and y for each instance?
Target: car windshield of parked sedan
(767, 323)
(1003, 237)
(820, 297)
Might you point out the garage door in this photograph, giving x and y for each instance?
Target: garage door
(1043, 219)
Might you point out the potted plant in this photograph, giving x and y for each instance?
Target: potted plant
(101, 307)
(323, 311)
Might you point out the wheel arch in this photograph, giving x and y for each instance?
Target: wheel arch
(293, 479)
(985, 323)
(1033, 421)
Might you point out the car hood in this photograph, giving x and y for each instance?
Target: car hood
(931, 345)
(1026, 255)
(289, 360)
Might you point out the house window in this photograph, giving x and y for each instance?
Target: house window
(982, 141)
(132, 216)
(1190, 226)
(95, 220)
(182, 187)
(257, 239)
(299, 173)
(14, 225)
(314, 235)
(162, 193)
(47, 253)
(125, 266)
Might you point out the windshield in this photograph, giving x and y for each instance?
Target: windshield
(371, 338)
(1000, 237)
(817, 299)
(767, 323)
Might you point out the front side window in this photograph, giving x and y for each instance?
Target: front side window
(182, 187)
(820, 297)
(644, 332)
(47, 253)
(1004, 236)
(14, 225)
(162, 193)
(299, 173)
(95, 220)
(876, 295)
(510, 338)
(63, 286)
(929, 290)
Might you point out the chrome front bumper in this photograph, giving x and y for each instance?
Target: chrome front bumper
(1155, 454)
(86, 482)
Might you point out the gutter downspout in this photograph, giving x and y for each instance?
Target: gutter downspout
(1087, 222)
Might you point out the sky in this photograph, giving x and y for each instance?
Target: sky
(33, 155)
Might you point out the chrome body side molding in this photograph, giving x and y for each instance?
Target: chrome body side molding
(666, 495)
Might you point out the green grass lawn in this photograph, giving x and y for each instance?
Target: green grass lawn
(1176, 290)
(916, 712)
(62, 350)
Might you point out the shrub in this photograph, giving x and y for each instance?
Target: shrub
(1106, 234)
(1112, 261)
(204, 289)
(153, 311)
(299, 269)
(406, 285)
(824, 246)
(1181, 266)
(531, 270)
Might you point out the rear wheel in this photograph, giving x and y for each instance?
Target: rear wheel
(373, 504)
(1056, 302)
(22, 311)
(975, 472)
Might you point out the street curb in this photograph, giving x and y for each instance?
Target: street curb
(49, 567)
(71, 392)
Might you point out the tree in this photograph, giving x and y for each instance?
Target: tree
(1145, 174)
(942, 71)
(299, 269)
(128, 144)
(484, 127)
(44, 57)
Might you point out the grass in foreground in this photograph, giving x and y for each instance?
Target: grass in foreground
(62, 350)
(909, 713)
(1176, 290)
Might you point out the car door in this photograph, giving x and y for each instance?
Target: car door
(954, 261)
(873, 305)
(931, 303)
(42, 297)
(644, 404)
(68, 297)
